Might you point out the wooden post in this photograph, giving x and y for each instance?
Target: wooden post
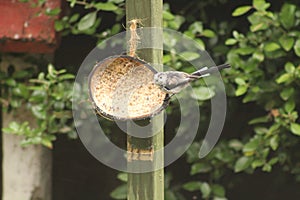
(150, 185)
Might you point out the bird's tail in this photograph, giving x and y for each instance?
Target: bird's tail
(207, 71)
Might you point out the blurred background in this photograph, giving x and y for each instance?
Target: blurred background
(257, 156)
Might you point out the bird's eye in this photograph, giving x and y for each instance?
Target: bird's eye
(160, 77)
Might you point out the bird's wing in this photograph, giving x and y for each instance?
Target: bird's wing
(176, 81)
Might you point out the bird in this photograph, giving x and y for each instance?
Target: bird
(174, 82)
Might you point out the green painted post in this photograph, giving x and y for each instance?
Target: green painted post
(150, 185)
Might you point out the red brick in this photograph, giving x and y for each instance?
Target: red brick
(24, 28)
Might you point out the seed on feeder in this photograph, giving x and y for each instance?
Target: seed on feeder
(126, 81)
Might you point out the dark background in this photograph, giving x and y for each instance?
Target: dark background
(77, 175)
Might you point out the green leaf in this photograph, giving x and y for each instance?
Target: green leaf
(200, 43)
(41, 75)
(38, 95)
(53, 12)
(123, 177)
(252, 145)
(295, 128)
(51, 71)
(274, 142)
(267, 167)
(72, 135)
(87, 21)
(106, 6)
(74, 18)
(38, 111)
(242, 89)
(230, 41)
(287, 15)
(59, 25)
(258, 27)
(196, 27)
(120, 192)
(258, 56)
(257, 120)
(289, 106)
(272, 46)
(72, 3)
(66, 77)
(235, 144)
(192, 186)
(297, 47)
(237, 35)
(11, 82)
(202, 93)
(287, 93)
(218, 190)
(261, 130)
(7, 130)
(167, 58)
(189, 56)
(116, 1)
(176, 22)
(283, 78)
(220, 198)
(12, 128)
(260, 4)
(241, 10)
(257, 163)
(289, 67)
(245, 50)
(21, 90)
(242, 163)
(240, 81)
(208, 33)
(200, 168)
(47, 143)
(167, 15)
(254, 18)
(205, 190)
(286, 42)
(273, 161)
(15, 103)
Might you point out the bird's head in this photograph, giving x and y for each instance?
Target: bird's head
(160, 78)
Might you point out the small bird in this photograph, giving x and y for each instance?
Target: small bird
(174, 81)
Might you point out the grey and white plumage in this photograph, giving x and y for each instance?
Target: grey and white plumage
(174, 81)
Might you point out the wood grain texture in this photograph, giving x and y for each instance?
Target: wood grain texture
(150, 185)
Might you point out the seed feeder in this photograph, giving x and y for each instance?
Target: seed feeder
(122, 88)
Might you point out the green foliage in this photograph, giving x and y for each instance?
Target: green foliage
(261, 41)
(120, 192)
(89, 23)
(264, 54)
(265, 71)
(49, 100)
(43, 9)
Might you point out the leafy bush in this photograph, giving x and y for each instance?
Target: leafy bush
(49, 100)
(262, 43)
(265, 73)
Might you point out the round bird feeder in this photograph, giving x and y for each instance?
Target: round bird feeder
(122, 88)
